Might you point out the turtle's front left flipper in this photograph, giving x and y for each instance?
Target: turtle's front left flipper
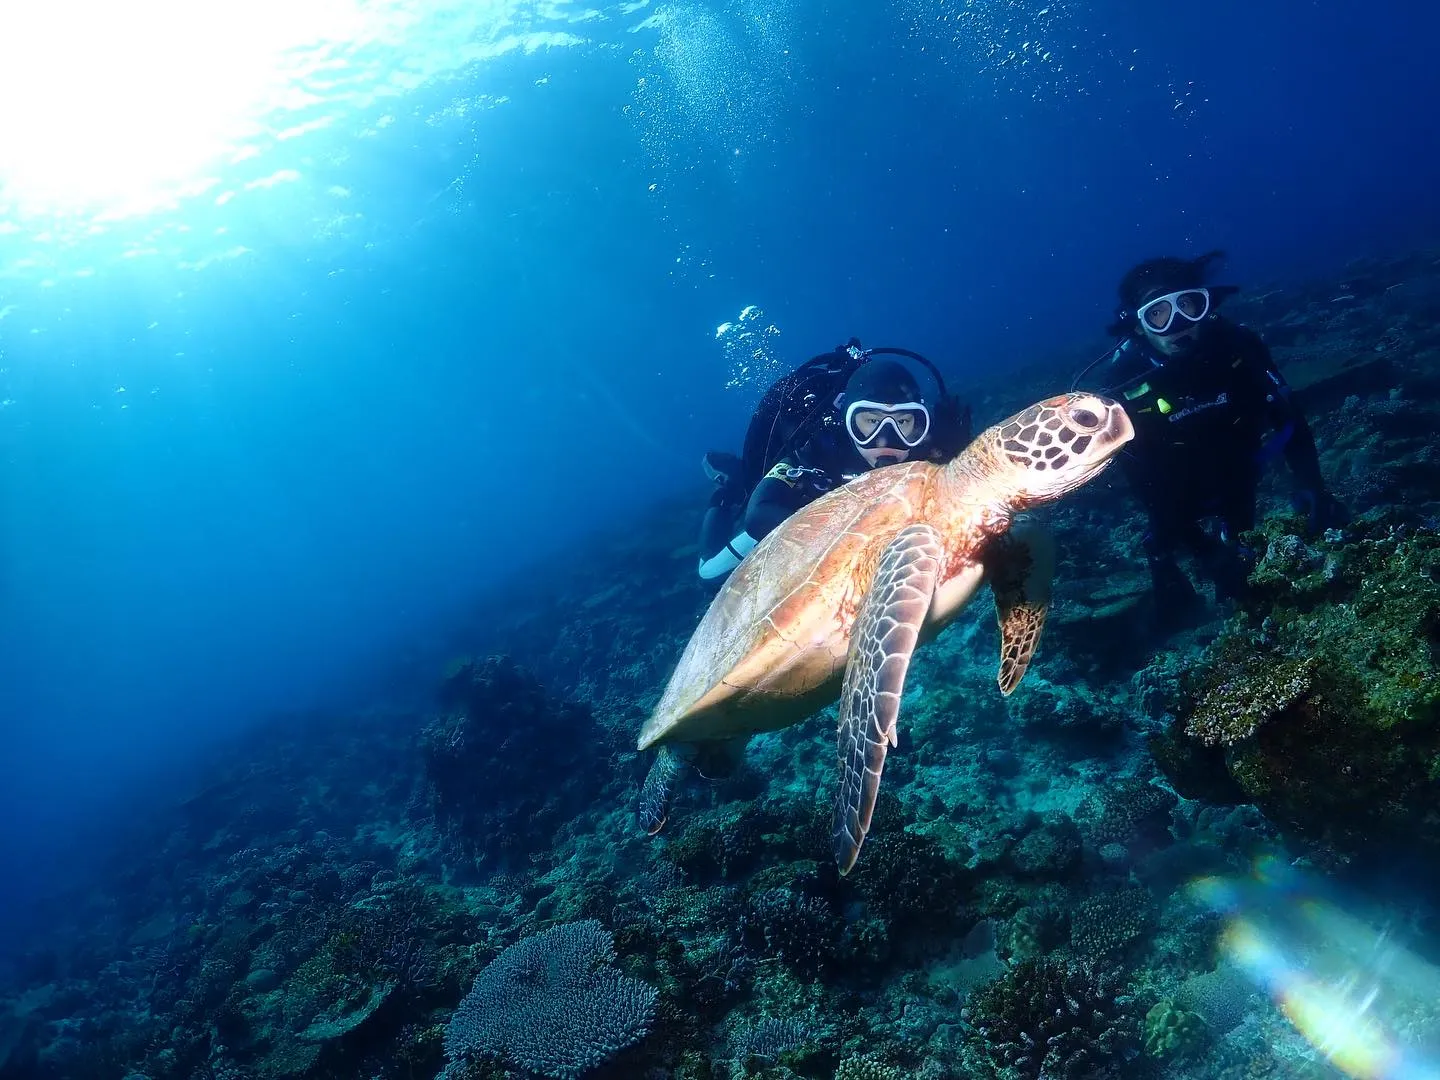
(655, 793)
(886, 632)
(1020, 565)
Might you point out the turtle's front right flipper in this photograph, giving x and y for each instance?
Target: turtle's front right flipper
(1020, 565)
(655, 793)
(886, 632)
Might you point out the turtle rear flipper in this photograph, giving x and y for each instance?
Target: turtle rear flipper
(655, 793)
(1020, 565)
(885, 635)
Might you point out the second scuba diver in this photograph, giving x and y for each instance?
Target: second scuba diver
(1210, 410)
(834, 417)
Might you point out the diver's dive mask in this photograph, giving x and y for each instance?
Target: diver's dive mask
(1158, 316)
(909, 421)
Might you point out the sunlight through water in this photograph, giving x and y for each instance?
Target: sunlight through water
(111, 111)
(128, 106)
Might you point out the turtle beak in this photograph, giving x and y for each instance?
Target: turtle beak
(1118, 430)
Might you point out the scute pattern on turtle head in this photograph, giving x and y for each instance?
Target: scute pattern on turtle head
(1058, 444)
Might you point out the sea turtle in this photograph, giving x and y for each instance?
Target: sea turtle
(884, 562)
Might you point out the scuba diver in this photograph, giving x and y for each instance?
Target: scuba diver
(1211, 410)
(828, 421)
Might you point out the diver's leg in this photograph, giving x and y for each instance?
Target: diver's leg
(1226, 560)
(1175, 597)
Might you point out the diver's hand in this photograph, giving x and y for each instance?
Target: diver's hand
(1321, 509)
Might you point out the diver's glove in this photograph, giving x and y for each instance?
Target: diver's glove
(1321, 509)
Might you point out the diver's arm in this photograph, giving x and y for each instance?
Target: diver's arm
(723, 541)
(772, 501)
(1284, 415)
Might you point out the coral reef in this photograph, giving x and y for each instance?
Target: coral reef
(459, 888)
(1235, 706)
(499, 731)
(551, 1004)
(866, 1069)
(1128, 811)
(798, 930)
(1054, 1017)
(1320, 703)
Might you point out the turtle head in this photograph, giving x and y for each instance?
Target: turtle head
(1054, 446)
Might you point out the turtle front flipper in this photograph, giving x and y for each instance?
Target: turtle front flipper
(1020, 565)
(881, 644)
(655, 792)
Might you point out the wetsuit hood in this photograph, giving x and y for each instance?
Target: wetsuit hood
(883, 380)
(1156, 277)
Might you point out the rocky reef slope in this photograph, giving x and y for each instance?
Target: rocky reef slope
(462, 889)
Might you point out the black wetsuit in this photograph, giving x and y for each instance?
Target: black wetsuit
(799, 478)
(735, 521)
(1206, 423)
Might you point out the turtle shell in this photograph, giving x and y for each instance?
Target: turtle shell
(771, 649)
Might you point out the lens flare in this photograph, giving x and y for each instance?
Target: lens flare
(1341, 1028)
(1361, 999)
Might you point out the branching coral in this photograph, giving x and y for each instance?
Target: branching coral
(1128, 810)
(906, 879)
(769, 1038)
(1050, 1017)
(799, 930)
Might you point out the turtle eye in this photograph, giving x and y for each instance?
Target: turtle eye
(1085, 419)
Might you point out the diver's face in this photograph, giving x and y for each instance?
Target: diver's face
(1172, 344)
(1171, 321)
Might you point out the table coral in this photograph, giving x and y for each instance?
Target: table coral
(552, 1004)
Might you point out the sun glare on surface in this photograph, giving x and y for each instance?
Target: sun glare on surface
(111, 109)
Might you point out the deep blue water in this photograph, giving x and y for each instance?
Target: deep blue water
(263, 444)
